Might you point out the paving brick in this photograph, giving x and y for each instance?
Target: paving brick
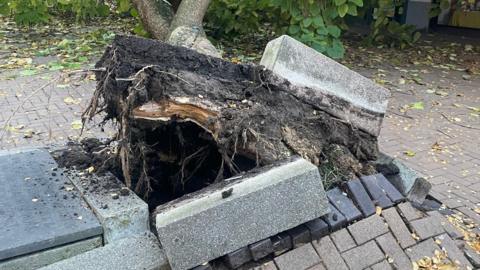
(392, 192)
(238, 257)
(318, 228)
(398, 227)
(281, 243)
(266, 266)
(343, 240)
(454, 253)
(300, 235)
(408, 212)
(300, 258)
(427, 227)
(363, 256)
(360, 197)
(334, 219)
(377, 194)
(383, 265)
(329, 254)
(367, 229)
(393, 251)
(426, 248)
(470, 213)
(343, 204)
(451, 230)
(261, 249)
(472, 256)
(318, 267)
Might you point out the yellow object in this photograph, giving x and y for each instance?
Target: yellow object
(469, 19)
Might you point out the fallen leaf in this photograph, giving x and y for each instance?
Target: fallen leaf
(409, 153)
(77, 124)
(417, 105)
(378, 210)
(71, 101)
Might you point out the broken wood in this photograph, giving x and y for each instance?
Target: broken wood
(201, 117)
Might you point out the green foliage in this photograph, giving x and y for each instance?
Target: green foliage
(232, 17)
(29, 12)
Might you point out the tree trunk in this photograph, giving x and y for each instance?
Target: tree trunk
(190, 13)
(196, 116)
(156, 17)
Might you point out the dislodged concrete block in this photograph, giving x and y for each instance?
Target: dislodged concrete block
(338, 90)
(49, 256)
(408, 182)
(121, 212)
(140, 252)
(205, 225)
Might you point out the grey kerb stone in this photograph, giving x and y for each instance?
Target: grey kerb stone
(333, 83)
(121, 216)
(203, 226)
(139, 252)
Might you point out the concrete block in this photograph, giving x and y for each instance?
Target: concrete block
(52, 255)
(409, 212)
(409, 183)
(203, 226)
(427, 227)
(261, 249)
(40, 209)
(318, 228)
(121, 215)
(140, 252)
(398, 227)
(336, 89)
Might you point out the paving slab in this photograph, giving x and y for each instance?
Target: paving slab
(343, 204)
(363, 256)
(52, 255)
(398, 228)
(329, 254)
(378, 195)
(204, 225)
(333, 84)
(472, 256)
(367, 229)
(120, 211)
(140, 252)
(40, 208)
(394, 252)
(360, 197)
(301, 258)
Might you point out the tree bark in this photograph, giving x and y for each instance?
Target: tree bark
(156, 17)
(190, 13)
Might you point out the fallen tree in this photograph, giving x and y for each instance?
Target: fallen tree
(186, 119)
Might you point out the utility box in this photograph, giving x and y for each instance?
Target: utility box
(417, 13)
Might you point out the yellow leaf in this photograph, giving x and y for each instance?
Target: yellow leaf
(77, 124)
(70, 101)
(91, 169)
(409, 153)
(378, 210)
